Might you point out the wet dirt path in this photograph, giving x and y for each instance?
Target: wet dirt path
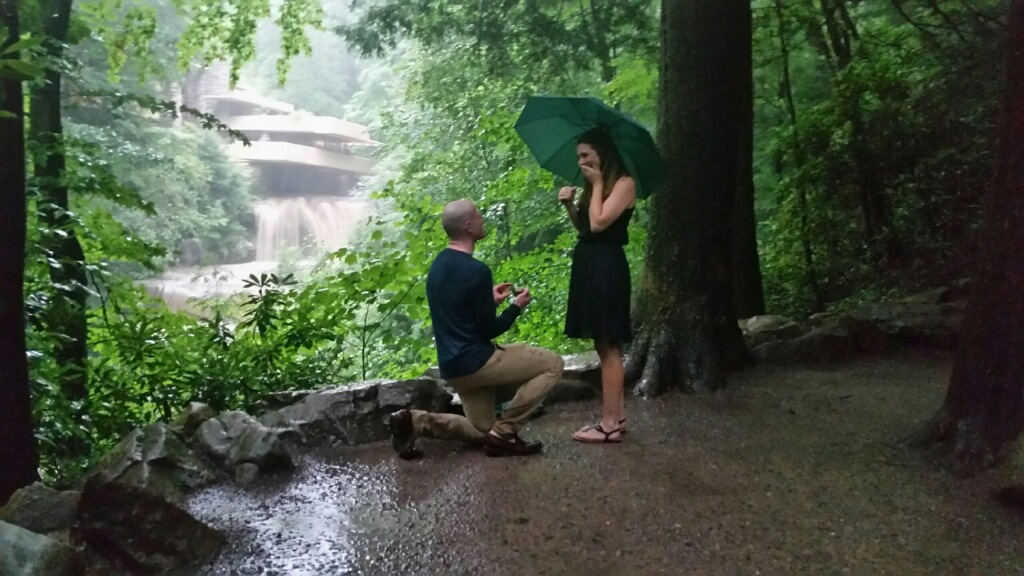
(790, 471)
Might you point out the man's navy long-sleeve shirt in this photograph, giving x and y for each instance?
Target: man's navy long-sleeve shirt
(463, 312)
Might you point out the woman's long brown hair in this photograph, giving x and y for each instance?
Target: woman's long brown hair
(612, 167)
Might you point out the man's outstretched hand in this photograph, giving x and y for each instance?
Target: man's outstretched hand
(501, 292)
(523, 298)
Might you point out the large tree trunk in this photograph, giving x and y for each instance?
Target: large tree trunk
(984, 406)
(748, 289)
(67, 314)
(18, 459)
(687, 334)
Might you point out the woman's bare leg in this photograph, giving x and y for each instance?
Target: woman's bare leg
(612, 393)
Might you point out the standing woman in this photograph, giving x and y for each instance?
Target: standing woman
(599, 285)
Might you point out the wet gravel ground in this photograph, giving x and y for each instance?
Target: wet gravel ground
(790, 471)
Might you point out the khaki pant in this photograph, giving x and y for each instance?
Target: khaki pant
(537, 369)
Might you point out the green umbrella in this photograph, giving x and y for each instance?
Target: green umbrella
(550, 126)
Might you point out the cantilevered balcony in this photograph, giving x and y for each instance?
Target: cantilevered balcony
(297, 154)
(300, 124)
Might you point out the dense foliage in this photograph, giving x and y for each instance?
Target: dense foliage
(873, 125)
(874, 150)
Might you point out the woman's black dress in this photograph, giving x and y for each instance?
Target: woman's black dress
(599, 285)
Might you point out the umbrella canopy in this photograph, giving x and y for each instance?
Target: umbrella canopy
(550, 126)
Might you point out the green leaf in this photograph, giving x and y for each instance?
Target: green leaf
(22, 69)
(23, 44)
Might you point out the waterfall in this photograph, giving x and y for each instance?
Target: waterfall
(307, 224)
(323, 222)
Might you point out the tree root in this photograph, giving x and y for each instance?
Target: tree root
(959, 443)
(665, 359)
(660, 366)
(636, 360)
(939, 431)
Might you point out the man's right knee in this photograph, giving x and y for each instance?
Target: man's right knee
(555, 362)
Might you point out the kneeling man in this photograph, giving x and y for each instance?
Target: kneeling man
(463, 310)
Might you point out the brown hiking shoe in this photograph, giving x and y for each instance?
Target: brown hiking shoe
(403, 435)
(510, 445)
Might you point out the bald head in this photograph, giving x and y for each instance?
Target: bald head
(456, 216)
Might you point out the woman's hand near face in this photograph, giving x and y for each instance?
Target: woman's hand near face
(591, 173)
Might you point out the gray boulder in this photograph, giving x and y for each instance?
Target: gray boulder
(581, 379)
(417, 393)
(767, 328)
(25, 553)
(138, 531)
(41, 509)
(192, 417)
(957, 291)
(916, 323)
(156, 458)
(931, 296)
(235, 438)
(357, 414)
(247, 473)
(275, 400)
(822, 346)
(868, 337)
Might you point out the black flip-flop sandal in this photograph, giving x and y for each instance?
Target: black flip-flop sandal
(607, 436)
